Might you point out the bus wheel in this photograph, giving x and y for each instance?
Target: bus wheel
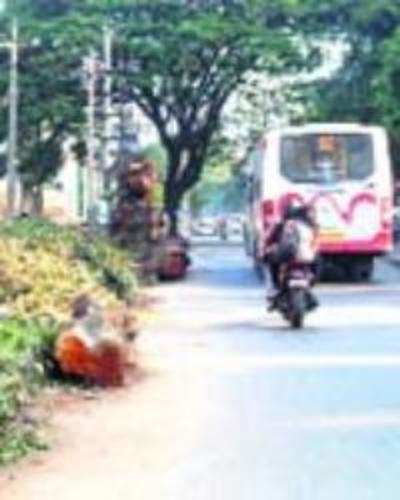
(362, 269)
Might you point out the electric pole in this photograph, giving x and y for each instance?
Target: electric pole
(107, 101)
(91, 70)
(12, 175)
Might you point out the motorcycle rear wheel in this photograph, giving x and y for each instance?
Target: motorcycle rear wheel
(297, 308)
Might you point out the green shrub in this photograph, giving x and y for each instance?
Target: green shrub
(113, 267)
(44, 266)
(22, 374)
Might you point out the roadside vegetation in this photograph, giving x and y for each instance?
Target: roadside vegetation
(43, 267)
(22, 374)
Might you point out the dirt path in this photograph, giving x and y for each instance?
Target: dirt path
(121, 445)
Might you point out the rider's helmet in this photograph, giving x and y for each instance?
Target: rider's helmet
(306, 213)
(291, 210)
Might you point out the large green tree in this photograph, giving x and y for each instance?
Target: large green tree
(181, 61)
(51, 96)
(365, 88)
(178, 60)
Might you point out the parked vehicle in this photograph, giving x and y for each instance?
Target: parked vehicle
(343, 171)
(230, 226)
(205, 226)
(235, 226)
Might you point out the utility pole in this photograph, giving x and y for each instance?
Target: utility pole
(12, 175)
(107, 101)
(91, 70)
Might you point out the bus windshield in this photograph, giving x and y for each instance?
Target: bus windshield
(327, 158)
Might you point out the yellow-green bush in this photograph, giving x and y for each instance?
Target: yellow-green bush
(43, 267)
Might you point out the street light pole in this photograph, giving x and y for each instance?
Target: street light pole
(12, 176)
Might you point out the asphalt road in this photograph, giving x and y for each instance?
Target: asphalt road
(236, 406)
(309, 415)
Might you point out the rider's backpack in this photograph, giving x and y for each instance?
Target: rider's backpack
(307, 245)
(297, 243)
(288, 243)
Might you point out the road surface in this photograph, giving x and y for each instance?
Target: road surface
(236, 406)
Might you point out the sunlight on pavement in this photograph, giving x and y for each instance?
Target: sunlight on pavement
(192, 358)
(341, 422)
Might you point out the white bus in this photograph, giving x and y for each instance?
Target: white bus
(344, 172)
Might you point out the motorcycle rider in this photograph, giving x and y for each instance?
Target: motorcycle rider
(279, 253)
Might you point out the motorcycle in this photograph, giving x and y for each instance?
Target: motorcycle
(296, 298)
(297, 276)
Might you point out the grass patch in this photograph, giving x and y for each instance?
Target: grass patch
(22, 374)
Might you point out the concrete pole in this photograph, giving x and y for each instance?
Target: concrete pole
(91, 138)
(12, 174)
(107, 102)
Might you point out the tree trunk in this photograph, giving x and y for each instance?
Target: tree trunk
(32, 200)
(172, 203)
(38, 202)
(183, 174)
(24, 208)
(172, 198)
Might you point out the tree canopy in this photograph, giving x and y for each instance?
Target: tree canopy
(51, 96)
(181, 60)
(178, 60)
(365, 88)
